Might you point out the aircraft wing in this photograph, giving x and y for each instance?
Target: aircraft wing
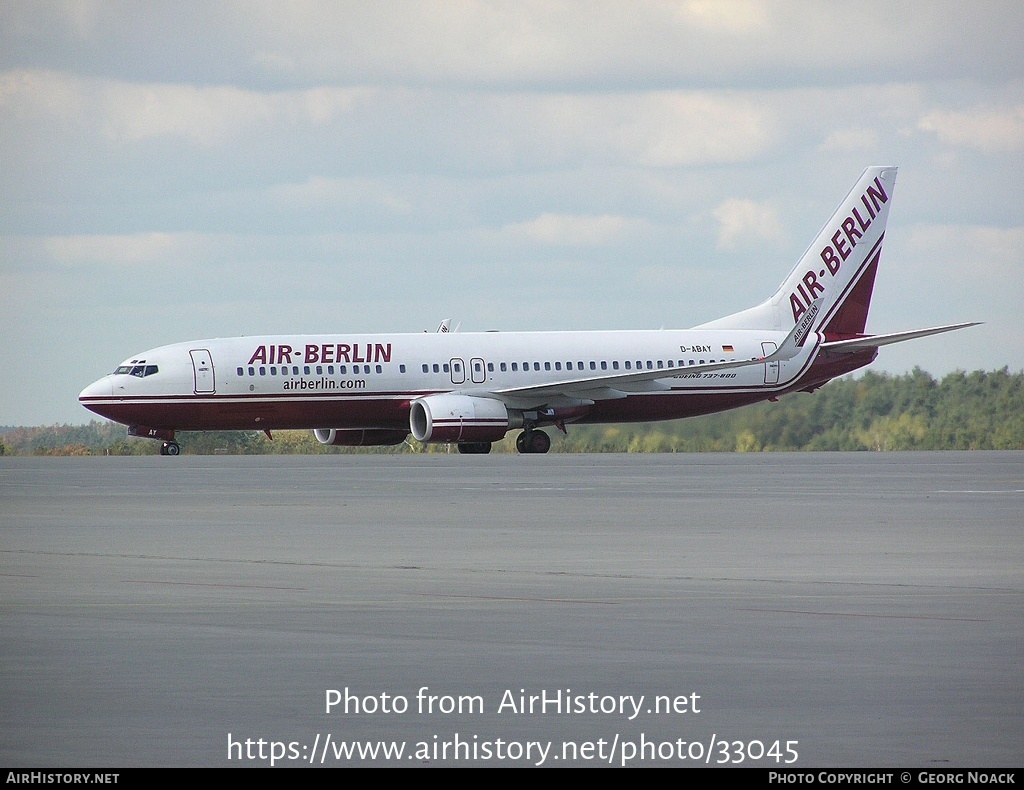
(874, 341)
(616, 385)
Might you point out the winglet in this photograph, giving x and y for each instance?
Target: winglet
(797, 336)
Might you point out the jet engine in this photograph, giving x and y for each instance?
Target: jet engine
(358, 438)
(452, 417)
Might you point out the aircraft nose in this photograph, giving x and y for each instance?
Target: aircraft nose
(104, 388)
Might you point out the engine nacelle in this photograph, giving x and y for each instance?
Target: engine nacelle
(359, 438)
(460, 418)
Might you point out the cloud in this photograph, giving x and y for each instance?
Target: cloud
(984, 257)
(318, 191)
(680, 128)
(991, 131)
(49, 93)
(736, 17)
(203, 115)
(137, 249)
(574, 230)
(536, 43)
(745, 222)
(853, 139)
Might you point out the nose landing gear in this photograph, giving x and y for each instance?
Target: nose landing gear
(170, 448)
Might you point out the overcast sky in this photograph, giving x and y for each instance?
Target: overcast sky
(177, 171)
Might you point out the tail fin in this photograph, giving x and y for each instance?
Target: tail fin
(830, 287)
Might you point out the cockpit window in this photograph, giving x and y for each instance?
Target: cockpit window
(136, 370)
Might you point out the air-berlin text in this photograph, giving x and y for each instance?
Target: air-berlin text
(851, 230)
(325, 352)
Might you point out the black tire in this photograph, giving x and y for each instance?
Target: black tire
(538, 442)
(521, 442)
(170, 448)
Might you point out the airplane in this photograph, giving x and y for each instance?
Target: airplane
(472, 388)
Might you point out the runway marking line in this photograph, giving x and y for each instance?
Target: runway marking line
(203, 584)
(511, 598)
(861, 614)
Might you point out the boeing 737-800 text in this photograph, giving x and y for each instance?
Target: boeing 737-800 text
(472, 388)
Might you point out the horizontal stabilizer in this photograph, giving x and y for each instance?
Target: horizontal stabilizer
(874, 341)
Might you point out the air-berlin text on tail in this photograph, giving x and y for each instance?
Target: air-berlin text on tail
(851, 230)
(326, 353)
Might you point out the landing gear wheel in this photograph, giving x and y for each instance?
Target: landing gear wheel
(475, 448)
(170, 448)
(533, 442)
(538, 442)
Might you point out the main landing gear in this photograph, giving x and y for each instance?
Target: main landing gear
(170, 448)
(533, 441)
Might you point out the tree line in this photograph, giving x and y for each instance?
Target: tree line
(876, 411)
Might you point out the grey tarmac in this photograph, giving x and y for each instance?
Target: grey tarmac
(868, 606)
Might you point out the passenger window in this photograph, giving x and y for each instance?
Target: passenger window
(252, 371)
(593, 366)
(401, 368)
(615, 365)
(305, 369)
(239, 372)
(515, 367)
(263, 371)
(547, 366)
(379, 369)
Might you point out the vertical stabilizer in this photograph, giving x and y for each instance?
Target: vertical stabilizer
(835, 276)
